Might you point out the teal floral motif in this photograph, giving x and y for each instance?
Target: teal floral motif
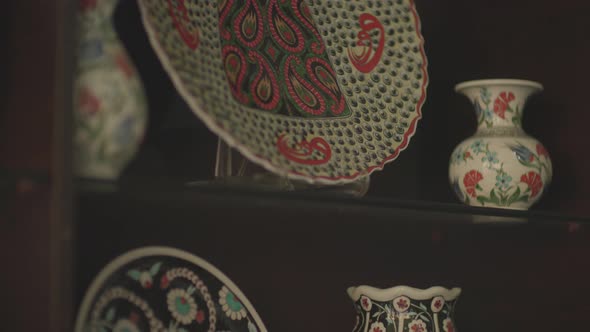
(145, 278)
(478, 147)
(503, 181)
(488, 117)
(460, 156)
(182, 306)
(486, 95)
(505, 192)
(490, 159)
(231, 305)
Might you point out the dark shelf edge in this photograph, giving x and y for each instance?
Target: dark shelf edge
(166, 192)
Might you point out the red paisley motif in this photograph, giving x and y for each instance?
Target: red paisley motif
(286, 33)
(323, 76)
(266, 41)
(264, 88)
(303, 153)
(235, 66)
(248, 25)
(303, 93)
(180, 19)
(364, 56)
(303, 13)
(534, 181)
(225, 7)
(471, 182)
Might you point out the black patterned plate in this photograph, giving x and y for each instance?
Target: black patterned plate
(165, 289)
(325, 91)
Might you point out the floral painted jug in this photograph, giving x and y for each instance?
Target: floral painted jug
(500, 166)
(404, 308)
(110, 113)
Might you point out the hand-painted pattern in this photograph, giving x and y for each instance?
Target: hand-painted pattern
(158, 293)
(110, 110)
(263, 69)
(405, 314)
(276, 42)
(504, 107)
(507, 190)
(500, 166)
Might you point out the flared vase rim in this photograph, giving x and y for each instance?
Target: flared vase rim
(388, 294)
(498, 82)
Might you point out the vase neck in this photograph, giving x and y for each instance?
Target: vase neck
(498, 107)
(102, 9)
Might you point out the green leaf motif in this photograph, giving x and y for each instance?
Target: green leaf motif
(514, 197)
(134, 274)
(423, 306)
(155, 268)
(494, 198)
(482, 200)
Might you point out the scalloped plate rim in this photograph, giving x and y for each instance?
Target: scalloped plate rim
(142, 252)
(210, 121)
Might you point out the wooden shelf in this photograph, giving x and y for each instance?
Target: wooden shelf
(289, 251)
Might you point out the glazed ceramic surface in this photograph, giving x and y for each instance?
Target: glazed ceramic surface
(110, 108)
(404, 308)
(500, 166)
(164, 289)
(324, 91)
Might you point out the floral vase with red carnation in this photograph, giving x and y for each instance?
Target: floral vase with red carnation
(110, 113)
(500, 165)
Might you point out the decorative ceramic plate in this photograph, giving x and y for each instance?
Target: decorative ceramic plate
(164, 289)
(326, 91)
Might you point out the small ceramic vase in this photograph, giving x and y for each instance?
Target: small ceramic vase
(404, 308)
(500, 166)
(110, 112)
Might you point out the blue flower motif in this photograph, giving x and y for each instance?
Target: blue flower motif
(124, 133)
(485, 95)
(503, 181)
(478, 146)
(490, 159)
(457, 190)
(477, 107)
(488, 115)
(523, 154)
(91, 49)
(457, 157)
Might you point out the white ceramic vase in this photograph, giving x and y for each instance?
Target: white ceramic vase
(500, 165)
(404, 308)
(110, 112)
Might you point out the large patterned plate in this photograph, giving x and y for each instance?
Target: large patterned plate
(322, 90)
(164, 289)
